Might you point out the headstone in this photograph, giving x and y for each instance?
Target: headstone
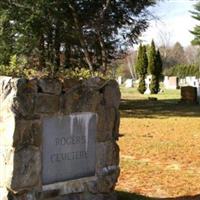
(166, 80)
(171, 82)
(128, 83)
(190, 81)
(198, 94)
(182, 82)
(119, 80)
(69, 147)
(137, 81)
(148, 91)
(189, 94)
(147, 82)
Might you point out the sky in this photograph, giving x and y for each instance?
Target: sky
(173, 23)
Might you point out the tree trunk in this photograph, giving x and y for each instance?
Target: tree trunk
(103, 53)
(67, 63)
(57, 48)
(81, 37)
(42, 63)
(50, 46)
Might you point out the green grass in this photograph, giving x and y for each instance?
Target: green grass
(132, 93)
(168, 104)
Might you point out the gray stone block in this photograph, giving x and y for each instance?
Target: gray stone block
(46, 103)
(112, 94)
(50, 86)
(26, 170)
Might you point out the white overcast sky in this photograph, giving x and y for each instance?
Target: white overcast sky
(174, 22)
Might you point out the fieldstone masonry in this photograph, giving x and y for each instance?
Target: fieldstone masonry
(24, 107)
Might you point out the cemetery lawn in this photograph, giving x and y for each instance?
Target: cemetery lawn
(159, 146)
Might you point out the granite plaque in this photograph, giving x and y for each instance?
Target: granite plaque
(69, 145)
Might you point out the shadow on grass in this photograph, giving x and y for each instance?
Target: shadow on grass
(158, 109)
(131, 196)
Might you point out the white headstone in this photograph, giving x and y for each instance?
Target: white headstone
(119, 80)
(148, 79)
(148, 91)
(182, 82)
(128, 83)
(147, 82)
(191, 81)
(171, 82)
(166, 80)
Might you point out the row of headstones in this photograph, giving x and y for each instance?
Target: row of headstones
(170, 82)
(189, 85)
(129, 83)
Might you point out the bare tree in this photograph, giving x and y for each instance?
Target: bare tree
(130, 60)
(192, 54)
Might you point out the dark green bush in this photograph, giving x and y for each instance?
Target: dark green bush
(154, 85)
(142, 86)
(181, 71)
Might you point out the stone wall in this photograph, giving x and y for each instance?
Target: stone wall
(23, 106)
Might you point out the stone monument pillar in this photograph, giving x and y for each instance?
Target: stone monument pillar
(58, 139)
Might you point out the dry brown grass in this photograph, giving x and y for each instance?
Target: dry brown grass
(160, 147)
